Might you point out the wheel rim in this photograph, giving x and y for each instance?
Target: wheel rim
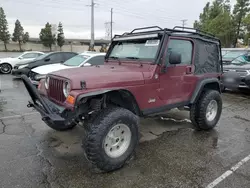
(117, 141)
(212, 110)
(5, 68)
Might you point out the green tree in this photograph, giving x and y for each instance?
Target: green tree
(241, 9)
(26, 37)
(18, 34)
(46, 36)
(60, 36)
(4, 33)
(217, 20)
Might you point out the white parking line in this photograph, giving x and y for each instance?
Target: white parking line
(18, 116)
(228, 173)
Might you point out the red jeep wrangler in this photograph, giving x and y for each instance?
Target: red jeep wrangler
(146, 71)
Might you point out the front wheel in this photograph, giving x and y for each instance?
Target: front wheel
(206, 113)
(111, 138)
(5, 68)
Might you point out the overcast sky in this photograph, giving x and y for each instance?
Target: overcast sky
(75, 15)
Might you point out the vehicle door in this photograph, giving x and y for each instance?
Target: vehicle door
(175, 80)
(54, 58)
(96, 60)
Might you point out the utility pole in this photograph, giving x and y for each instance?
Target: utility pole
(183, 23)
(109, 32)
(111, 24)
(92, 42)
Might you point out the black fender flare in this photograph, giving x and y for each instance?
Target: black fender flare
(90, 94)
(105, 91)
(200, 86)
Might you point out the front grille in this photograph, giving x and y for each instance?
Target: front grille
(55, 90)
(32, 75)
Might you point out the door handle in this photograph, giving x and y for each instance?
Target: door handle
(188, 69)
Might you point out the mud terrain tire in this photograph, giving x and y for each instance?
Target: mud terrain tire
(99, 140)
(200, 114)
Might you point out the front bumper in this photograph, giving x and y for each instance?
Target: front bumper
(19, 72)
(51, 113)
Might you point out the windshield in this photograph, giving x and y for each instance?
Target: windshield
(76, 60)
(143, 49)
(243, 59)
(229, 55)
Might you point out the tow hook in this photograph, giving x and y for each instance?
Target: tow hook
(45, 118)
(29, 105)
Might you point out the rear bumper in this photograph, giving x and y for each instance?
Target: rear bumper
(50, 112)
(234, 81)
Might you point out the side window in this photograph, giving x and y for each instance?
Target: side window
(68, 55)
(97, 60)
(55, 58)
(30, 55)
(184, 47)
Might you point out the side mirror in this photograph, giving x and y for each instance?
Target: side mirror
(174, 58)
(20, 58)
(47, 59)
(86, 64)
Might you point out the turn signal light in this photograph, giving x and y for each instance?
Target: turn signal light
(70, 99)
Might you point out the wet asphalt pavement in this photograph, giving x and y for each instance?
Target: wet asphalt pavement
(170, 154)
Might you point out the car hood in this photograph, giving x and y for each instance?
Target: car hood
(237, 67)
(103, 76)
(7, 59)
(45, 69)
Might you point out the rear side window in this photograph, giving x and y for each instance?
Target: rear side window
(184, 47)
(30, 55)
(97, 60)
(207, 57)
(69, 55)
(56, 58)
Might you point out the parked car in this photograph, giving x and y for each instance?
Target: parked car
(45, 59)
(236, 72)
(7, 64)
(81, 60)
(145, 72)
(229, 54)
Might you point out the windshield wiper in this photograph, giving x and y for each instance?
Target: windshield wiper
(132, 57)
(113, 57)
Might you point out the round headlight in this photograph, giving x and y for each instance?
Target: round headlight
(39, 77)
(46, 84)
(66, 88)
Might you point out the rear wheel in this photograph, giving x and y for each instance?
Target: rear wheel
(206, 113)
(6, 68)
(111, 139)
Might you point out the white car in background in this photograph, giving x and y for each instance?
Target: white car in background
(7, 64)
(81, 60)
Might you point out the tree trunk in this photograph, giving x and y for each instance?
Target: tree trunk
(5, 46)
(50, 48)
(237, 34)
(20, 46)
(60, 48)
